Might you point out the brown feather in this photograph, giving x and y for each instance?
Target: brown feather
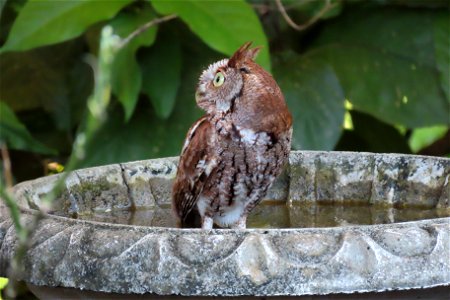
(190, 178)
(243, 54)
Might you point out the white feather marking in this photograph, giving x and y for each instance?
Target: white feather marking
(223, 105)
(200, 164)
(208, 75)
(202, 204)
(210, 72)
(191, 132)
(240, 191)
(209, 166)
(248, 136)
(230, 214)
(251, 137)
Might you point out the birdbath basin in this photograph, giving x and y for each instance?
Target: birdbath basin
(333, 222)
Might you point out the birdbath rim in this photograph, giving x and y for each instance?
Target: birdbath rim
(256, 261)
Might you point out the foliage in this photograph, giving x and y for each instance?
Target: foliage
(16, 134)
(425, 136)
(3, 283)
(45, 22)
(389, 59)
(97, 104)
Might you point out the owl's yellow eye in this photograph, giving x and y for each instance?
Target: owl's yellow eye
(218, 79)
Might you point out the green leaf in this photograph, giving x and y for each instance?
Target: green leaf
(3, 283)
(2, 6)
(424, 137)
(161, 71)
(54, 78)
(384, 85)
(315, 99)
(16, 135)
(126, 73)
(222, 25)
(442, 51)
(43, 23)
(385, 61)
(408, 34)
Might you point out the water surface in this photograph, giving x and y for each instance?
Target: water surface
(278, 214)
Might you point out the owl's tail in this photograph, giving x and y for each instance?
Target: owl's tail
(191, 220)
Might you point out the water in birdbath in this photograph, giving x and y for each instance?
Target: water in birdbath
(278, 214)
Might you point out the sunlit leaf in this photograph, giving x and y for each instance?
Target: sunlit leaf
(16, 135)
(425, 136)
(3, 282)
(161, 68)
(126, 73)
(43, 23)
(315, 99)
(222, 25)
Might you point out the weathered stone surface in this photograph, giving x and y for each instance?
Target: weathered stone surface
(294, 261)
(325, 177)
(137, 176)
(347, 177)
(101, 191)
(444, 199)
(279, 189)
(405, 179)
(302, 173)
(30, 193)
(150, 181)
(407, 241)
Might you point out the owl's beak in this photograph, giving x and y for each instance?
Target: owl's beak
(197, 96)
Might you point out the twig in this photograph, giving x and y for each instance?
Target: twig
(144, 27)
(6, 166)
(4, 194)
(269, 7)
(310, 22)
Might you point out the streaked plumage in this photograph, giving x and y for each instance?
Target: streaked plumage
(232, 155)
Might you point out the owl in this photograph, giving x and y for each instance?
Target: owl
(232, 155)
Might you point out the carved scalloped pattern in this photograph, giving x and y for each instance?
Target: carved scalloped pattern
(93, 256)
(129, 259)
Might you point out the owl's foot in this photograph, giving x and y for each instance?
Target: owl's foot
(240, 224)
(207, 223)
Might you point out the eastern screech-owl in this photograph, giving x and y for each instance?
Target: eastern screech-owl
(232, 155)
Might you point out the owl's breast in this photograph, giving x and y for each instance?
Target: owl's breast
(248, 162)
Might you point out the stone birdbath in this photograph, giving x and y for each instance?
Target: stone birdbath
(334, 222)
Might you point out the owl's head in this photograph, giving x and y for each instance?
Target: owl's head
(222, 82)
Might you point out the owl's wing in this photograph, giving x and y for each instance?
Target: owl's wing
(194, 168)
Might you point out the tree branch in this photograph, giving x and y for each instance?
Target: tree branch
(328, 5)
(145, 27)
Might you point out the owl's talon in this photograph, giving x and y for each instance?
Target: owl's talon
(207, 223)
(240, 224)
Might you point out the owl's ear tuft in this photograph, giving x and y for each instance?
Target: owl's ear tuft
(243, 54)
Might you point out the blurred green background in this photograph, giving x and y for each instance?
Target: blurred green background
(361, 76)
